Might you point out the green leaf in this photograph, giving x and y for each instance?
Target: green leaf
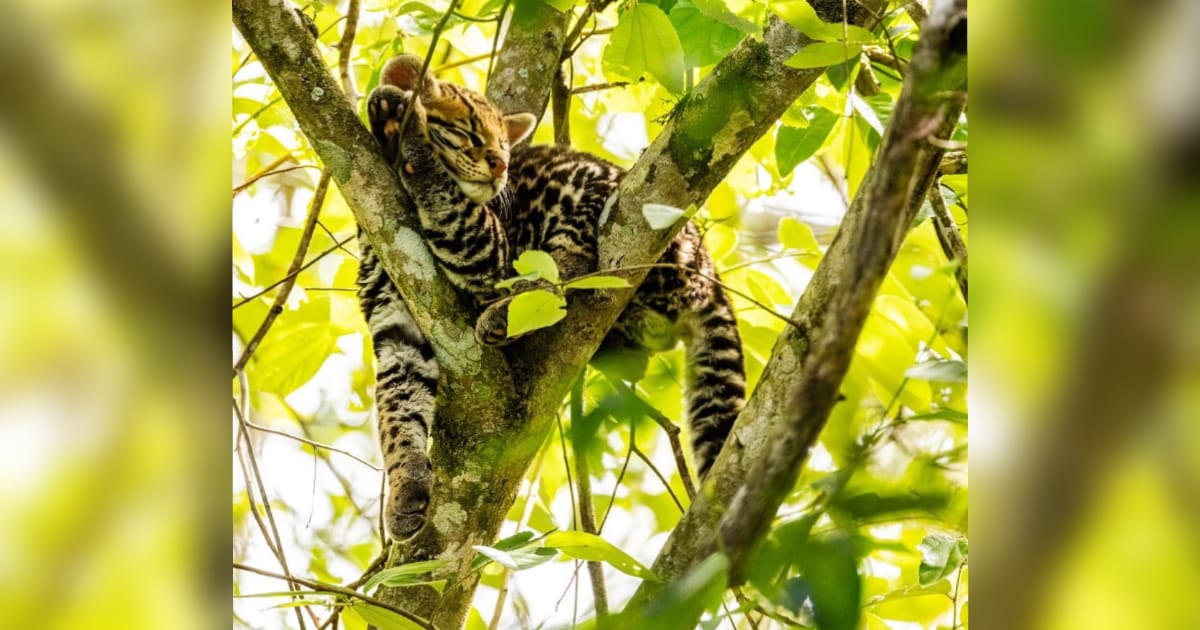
(831, 573)
(598, 282)
(941, 556)
(381, 618)
(801, 15)
(796, 235)
(644, 40)
(705, 41)
(660, 216)
(721, 241)
(405, 575)
(561, 5)
(940, 370)
(293, 356)
(823, 55)
(747, 16)
(500, 557)
(683, 601)
(537, 263)
(534, 310)
(794, 145)
(585, 546)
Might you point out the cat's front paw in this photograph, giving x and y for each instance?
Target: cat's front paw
(385, 111)
(491, 329)
(408, 496)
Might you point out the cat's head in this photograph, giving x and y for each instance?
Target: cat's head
(470, 136)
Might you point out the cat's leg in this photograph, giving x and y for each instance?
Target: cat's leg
(405, 397)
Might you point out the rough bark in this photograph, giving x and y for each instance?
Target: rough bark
(489, 425)
(784, 416)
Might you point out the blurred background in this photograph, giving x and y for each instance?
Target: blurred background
(114, 443)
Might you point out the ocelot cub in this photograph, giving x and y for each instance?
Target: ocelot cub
(483, 199)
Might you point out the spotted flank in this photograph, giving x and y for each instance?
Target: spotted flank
(484, 198)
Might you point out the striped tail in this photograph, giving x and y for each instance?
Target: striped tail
(715, 377)
(406, 376)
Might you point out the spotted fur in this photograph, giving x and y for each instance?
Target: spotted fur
(483, 199)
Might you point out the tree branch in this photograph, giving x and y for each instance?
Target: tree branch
(759, 463)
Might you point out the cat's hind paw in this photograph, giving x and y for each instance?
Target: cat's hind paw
(408, 499)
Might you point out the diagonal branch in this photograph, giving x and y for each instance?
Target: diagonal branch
(759, 464)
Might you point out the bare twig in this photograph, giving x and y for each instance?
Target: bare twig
(340, 590)
(954, 163)
(263, 172)
(249, 182)
(949, 236)
(314, 444)
(620, 476)
(496, 38)
(666, 484)
(291, 275)
(584, 89)
(669, 428)
(344, 47)
(244, 436)
(310, 223)
(587, 510)
(433, 42)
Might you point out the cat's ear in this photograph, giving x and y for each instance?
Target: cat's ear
(403, 71)
(519, 126)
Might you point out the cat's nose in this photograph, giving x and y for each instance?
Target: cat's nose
(497, 166)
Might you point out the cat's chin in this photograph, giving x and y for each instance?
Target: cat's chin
(480, 192)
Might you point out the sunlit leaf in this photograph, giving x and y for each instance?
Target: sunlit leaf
(794, 145)
(404, 574)
(533, 310)
(705, 40)
(801, 16)
(598, 282)
(941, 371)
(500, 557)
(660, 216)
(644, 40)
(293, 356)
(585, 546)
(538, 264)
(941, 556)
(381, 617)
(794, 234)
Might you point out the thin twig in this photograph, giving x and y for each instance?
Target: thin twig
(669, 428)
(314, 444)
(584, 89)
(526, 514)
(461, 62)
(496, 38)
(263, 172)
(344, 47)
(310, 224)
(613, 499)
(949, 236)
(433, 42)
(336, 246)
(587, 511)
(244, 435)
(340, 590)
(249, 182)
(666, 484)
